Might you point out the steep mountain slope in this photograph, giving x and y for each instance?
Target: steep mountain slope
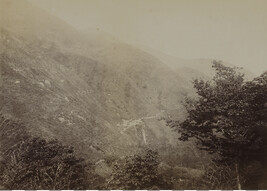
(32, 23)
(100, 95)
(62, 85)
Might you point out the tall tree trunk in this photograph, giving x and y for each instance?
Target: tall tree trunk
(237, 177)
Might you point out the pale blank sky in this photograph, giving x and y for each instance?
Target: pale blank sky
(229, 30)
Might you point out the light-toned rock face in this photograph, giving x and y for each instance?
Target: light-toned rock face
(102, 168)
(47, 83)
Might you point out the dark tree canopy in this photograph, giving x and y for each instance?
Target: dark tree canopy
(228, 117)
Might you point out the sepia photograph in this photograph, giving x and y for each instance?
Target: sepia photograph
(133, 94)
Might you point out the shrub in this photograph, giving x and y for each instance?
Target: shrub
(39, 164)
(137, 172)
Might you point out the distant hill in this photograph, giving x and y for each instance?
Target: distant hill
(191, 68)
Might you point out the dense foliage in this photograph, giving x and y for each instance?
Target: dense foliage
(229, 117)
(38, 164)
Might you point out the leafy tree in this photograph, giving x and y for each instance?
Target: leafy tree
(228, 118)
(136, 172)
(39, 164)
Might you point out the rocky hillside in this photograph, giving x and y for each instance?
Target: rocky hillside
(96, 93)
